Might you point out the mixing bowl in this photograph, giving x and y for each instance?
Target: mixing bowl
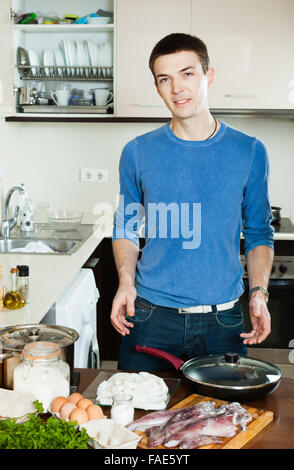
(64, 220)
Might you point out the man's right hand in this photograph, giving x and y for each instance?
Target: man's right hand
(123, 303)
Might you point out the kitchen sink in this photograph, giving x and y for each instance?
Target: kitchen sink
(63, 243)
(60, 246)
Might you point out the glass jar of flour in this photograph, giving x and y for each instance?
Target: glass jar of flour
(42, 372)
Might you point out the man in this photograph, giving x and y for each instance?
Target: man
(182, 295)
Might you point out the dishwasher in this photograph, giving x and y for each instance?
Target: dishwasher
(76, 308)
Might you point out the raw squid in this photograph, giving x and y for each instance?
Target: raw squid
(218, 426)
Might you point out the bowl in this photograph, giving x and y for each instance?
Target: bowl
(98, 20)
(108, 434)
(65, 220)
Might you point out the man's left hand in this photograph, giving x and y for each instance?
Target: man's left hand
(260, 320)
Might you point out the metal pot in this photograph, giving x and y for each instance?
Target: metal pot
(14, 338)
(276, 214)
(228, 377)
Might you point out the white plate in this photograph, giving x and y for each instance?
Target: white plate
(72, 55)
(59, 60)
(93, 51)
(101, 58)
(33, 58)
(108, 54)
(80, 55)
(66, 53)
(87, 60)
(48, 59)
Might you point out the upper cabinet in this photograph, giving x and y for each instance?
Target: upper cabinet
(140, 24)
(251, 47)
(53, 64)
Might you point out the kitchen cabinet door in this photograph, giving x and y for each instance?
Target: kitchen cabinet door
(7, 101)
(140, 24)
(251, 47)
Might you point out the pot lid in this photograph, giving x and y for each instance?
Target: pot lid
(14, 338)
(231, 371)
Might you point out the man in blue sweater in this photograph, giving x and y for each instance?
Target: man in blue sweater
(188, 187)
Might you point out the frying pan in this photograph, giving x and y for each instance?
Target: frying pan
(228, 376)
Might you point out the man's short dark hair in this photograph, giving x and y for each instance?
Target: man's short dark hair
(177, 42)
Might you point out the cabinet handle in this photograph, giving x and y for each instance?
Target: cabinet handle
(239, 95)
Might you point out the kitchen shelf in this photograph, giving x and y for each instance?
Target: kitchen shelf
(63, 28)
(71, 73)
(263, 113)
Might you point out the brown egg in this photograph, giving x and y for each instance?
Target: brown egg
(84, 403)
(57, 403)
(66, 409)
(75, 397)
(78, 415)
(94, 412)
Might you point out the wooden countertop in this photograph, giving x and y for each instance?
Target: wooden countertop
(277, 435)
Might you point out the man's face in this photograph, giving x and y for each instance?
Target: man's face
(182, 84)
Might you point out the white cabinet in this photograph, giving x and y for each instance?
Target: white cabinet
(83, 61)
(6, 60)
(140, 24)
(251, 47)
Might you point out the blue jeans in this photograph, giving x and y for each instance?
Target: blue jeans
(185, 335)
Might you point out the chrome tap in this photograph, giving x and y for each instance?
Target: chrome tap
(8, 224)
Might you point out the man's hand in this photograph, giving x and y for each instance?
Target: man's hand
(123, 303)
(260, 320)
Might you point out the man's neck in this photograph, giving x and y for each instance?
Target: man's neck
(198, 127)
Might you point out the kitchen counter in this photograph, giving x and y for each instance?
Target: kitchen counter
(276, 435)
(49, 276)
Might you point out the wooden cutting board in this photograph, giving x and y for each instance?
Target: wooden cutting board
(260, 419)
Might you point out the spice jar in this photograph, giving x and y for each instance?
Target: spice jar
(42, 372)
(122, 410)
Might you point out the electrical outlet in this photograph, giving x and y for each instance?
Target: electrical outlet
(94, 175)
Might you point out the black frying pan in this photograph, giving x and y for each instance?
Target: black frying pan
(228, 376)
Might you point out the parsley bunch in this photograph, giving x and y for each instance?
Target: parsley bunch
(35, 433)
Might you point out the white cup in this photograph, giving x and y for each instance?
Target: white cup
(103, 96)
(60, 97)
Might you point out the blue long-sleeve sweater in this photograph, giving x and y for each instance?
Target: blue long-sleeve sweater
(193, 197)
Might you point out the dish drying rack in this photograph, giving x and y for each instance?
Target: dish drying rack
(53, 72)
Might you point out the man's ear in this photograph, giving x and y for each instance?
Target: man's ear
(210, 76)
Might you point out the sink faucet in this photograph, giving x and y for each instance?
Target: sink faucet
(8, 224)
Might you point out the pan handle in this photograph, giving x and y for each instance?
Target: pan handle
(175, 361)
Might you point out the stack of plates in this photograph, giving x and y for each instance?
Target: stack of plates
(84, 54)
(78, 58)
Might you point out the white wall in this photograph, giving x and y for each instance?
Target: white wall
(48, 157)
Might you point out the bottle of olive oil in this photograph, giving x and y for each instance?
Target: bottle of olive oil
(13, 299)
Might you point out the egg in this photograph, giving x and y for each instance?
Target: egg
(78, 415)
(57, 403)
(94, 412)
(66, 409)
(75, 397)
(84, 403)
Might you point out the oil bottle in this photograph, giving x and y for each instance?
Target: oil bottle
(13, 299)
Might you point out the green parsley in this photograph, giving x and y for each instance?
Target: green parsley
(36, 433)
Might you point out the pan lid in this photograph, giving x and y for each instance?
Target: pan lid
(14, 338)
(231, 371)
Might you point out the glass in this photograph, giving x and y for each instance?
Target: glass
(122, 410)
(42, 372)
(40, 213)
